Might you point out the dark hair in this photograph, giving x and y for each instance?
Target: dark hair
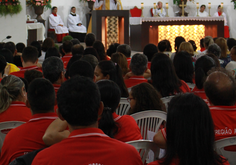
(30, 54)
(110, 96)
(220, 87)
(202, 43)
(89, 39)
(3, 64)
(54, 7)
(30, 75)
(91, 51)
(112, 49)
(189, 125)
(231, 42)
(47, 43)
(203, 6)
(162, 46)
(91, 59)
(72, 7)
(10, 46)
(75, 41)
(52, 52)
(216, 59)
(52, 68)
(71, 61)
(138, 64)
(115, 73)
(184, 66)
(66, 46)
(38, 46)
(41, 96)
(61, 51)
(77, 49)
(214, 49)
(124, 49)
(83, 112)
(164, 78)
(147, 98)
(99, 47)
(149, 50)
(2, 45)
(219, 6)
(169, 49)
(193, 44)
(7, 54)
(178, 41)
(202, 66)
(81, 68)
(20, 46)
(17, 61)
(121, 60)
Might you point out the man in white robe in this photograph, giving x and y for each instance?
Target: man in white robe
(202, 12)
(159, 11)
(107, 5)
(220, 13)
(74, 22)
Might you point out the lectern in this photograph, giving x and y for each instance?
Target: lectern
(111, 26)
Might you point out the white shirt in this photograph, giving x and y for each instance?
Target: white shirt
(202, 14)
(158, 12)
(113, 6)
(223, 14)
(72, 24)
(54, 22)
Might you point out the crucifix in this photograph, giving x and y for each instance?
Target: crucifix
(183, 5)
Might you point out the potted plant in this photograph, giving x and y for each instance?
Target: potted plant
(10, 7)
(234, 1)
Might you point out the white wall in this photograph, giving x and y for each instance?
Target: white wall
(14, 26)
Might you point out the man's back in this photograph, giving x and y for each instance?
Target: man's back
(21, 73)
(89, 146)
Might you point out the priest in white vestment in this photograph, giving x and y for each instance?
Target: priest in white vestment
(74, 22)
(220, 13)
(202, 12)
(159, 11)
(108, 5)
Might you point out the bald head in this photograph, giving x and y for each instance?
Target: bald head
(220, 88)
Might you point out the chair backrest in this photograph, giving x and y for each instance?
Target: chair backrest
(123, 108)
(151, 12)
(191, 85)
(143, 147)
(5, 127)
(135, 12)
(229, 155)
(149, 120)
(166, 100)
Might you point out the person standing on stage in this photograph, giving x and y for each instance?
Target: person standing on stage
(202, 12)
(159, 11)
(220, 13)
(56, 23)
(108, 5)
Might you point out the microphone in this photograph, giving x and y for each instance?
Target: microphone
(7, 37)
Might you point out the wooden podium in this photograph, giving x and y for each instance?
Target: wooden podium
(111, 26)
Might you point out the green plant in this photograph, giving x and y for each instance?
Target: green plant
(46, 3)
(234, 1)
(10, 7)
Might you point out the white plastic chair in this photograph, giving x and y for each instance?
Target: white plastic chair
(191, 85)
(166, 100)
(143, 147)
(5, 127)
(149, 120)
(123, 108)
(229, 155)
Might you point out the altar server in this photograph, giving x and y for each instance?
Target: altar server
(56, 23)
(159, 11)
(202, 12)
(220, 13)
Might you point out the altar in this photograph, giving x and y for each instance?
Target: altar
(154, 29)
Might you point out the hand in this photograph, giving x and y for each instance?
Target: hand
(79, 24)
(60, 25)
(128, 75)
(7, 70)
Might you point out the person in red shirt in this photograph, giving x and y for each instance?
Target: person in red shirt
(80, 105)
(29, 61)
(137, 66)
(41, 98)
(149, 51)
(99, 47)
(66, 48)
(12, 100)
(190, 133)
(126, 50)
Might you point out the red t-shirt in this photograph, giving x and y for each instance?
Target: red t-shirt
(184, 87)
(26, 138)
(134, 80)
(200, 93)
(66, 59)
(17, 111)
(56, 88)
(128, 128)
(89, 146)
(128, 61)
(149, 65)
(21, 73)
(0, 79)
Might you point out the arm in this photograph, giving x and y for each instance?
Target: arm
(61, 23)
(159, 140)
(98, 4)
(70, 21)
(56, 132)
(52, 21)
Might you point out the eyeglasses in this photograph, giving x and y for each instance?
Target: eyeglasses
(129, 99)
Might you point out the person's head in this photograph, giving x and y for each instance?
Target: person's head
(144, 97)
(124, 49)
(91, 59)
(47, 43)
(38, 46)
(41, 96)
(112, 49)
(169, 48)
(54, 10)
(91, 51)
(220, 88)
(214, 49)
(159, 4)
(77, 49)
(11, 46)
(186, 46)
(73, 9)
(216, 59)
(190, 125)
(30, 75)
(12, 88)
(19, 47)
(66, 47)
(138, 64)
(84, 112)
(81, 68)
(121, 60)
(164, 78)
(193, 44)
(202, 43)
(162, 46)
(53, 70)
(52, 52)
(202, 8)
(178, 41)
(202, 66)
(2, 45)
(89, 39)
(184, 66)
(149, 50)
(7, 54)
(61, 51)
(233, 53)
(99, 47)
(75, 41)
(3, 64)
(222, 43)
(110, 96)
(71, 61)
(220, 9)
(30, 55)
(231, 42)
(208, 40)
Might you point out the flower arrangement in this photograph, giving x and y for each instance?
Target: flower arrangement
(10, 7)
(46, 3)
(234, 1)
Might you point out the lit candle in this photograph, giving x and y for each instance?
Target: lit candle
(155, 5)
(209, 4)
(167, 5)
(141, 4)
(221, 4)
(197, 4)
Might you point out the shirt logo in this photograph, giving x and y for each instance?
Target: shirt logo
(95, 164)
